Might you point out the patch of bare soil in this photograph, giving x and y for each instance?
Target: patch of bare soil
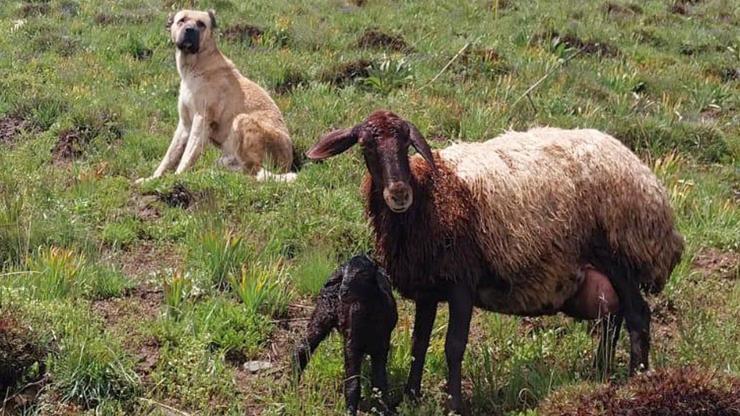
(712, 262)
(291, 81)
(376, 39)
(665, 318)
(11, 127)
(125, 315)
(141, 261)
(20, 350)
(22, 367)
(346, 73)
(277, 353)
(682, 391)
(619, 10)
(243, 32)
(571, 41)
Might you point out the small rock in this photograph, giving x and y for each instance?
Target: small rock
(257, 366)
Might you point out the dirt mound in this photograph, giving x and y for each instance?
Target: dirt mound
(375, 39)
(20, 352)
(714, 262)
(70, 145)
(177, 197)
(677, 392)
(571, 41)
(347, 72)
(682, 7)
(10, 127)
(104, 19)
(618, 10)
(29, 9)
(289, 82)
(482, 61)
(243, 32)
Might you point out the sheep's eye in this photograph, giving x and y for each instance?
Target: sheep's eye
(200, 24)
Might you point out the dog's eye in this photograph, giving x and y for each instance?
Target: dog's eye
(181, 21)
(200, 24)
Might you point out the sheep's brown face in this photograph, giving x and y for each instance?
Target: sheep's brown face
(385, 139)
(385, 145)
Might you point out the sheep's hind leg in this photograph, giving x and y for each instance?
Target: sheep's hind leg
(461, 310)
(636, 314)
(426, 311)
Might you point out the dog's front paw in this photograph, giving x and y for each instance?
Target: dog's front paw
(143, 180)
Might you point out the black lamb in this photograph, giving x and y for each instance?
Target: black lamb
(358, 301)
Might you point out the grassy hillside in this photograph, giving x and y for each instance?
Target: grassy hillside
(140, 300)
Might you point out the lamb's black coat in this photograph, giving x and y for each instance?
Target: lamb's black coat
(356, 300)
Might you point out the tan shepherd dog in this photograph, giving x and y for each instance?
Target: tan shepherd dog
(219, 105)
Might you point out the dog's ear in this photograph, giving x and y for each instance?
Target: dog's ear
(212, 16)
(170, 21)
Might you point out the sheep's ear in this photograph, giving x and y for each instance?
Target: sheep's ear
(170, 21)
(420, 144)
(332, 144)
(212, 16)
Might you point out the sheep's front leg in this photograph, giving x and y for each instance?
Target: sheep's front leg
(196, 142)
(461, 310)
(352, 369)
(426, 311)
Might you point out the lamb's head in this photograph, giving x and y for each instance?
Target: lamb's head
(362, 279)
(385, 139)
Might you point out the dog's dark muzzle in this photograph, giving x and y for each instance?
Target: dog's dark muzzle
(189, 40)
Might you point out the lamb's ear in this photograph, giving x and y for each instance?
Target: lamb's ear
(170, 21)
(384, 283)
(212, 16)
(332, 144)
(421, 145)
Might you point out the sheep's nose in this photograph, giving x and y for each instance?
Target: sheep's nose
(398, 196)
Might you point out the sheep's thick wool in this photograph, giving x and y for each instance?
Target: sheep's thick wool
(517, 217)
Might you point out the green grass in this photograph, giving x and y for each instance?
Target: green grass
(144, 302)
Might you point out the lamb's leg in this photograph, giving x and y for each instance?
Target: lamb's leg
(610, 328)
(321, 324)
(380, 374)
(636, 316)
(352, 369)
(461, 310)
(426, 311)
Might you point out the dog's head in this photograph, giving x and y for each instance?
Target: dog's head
(192, 30)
